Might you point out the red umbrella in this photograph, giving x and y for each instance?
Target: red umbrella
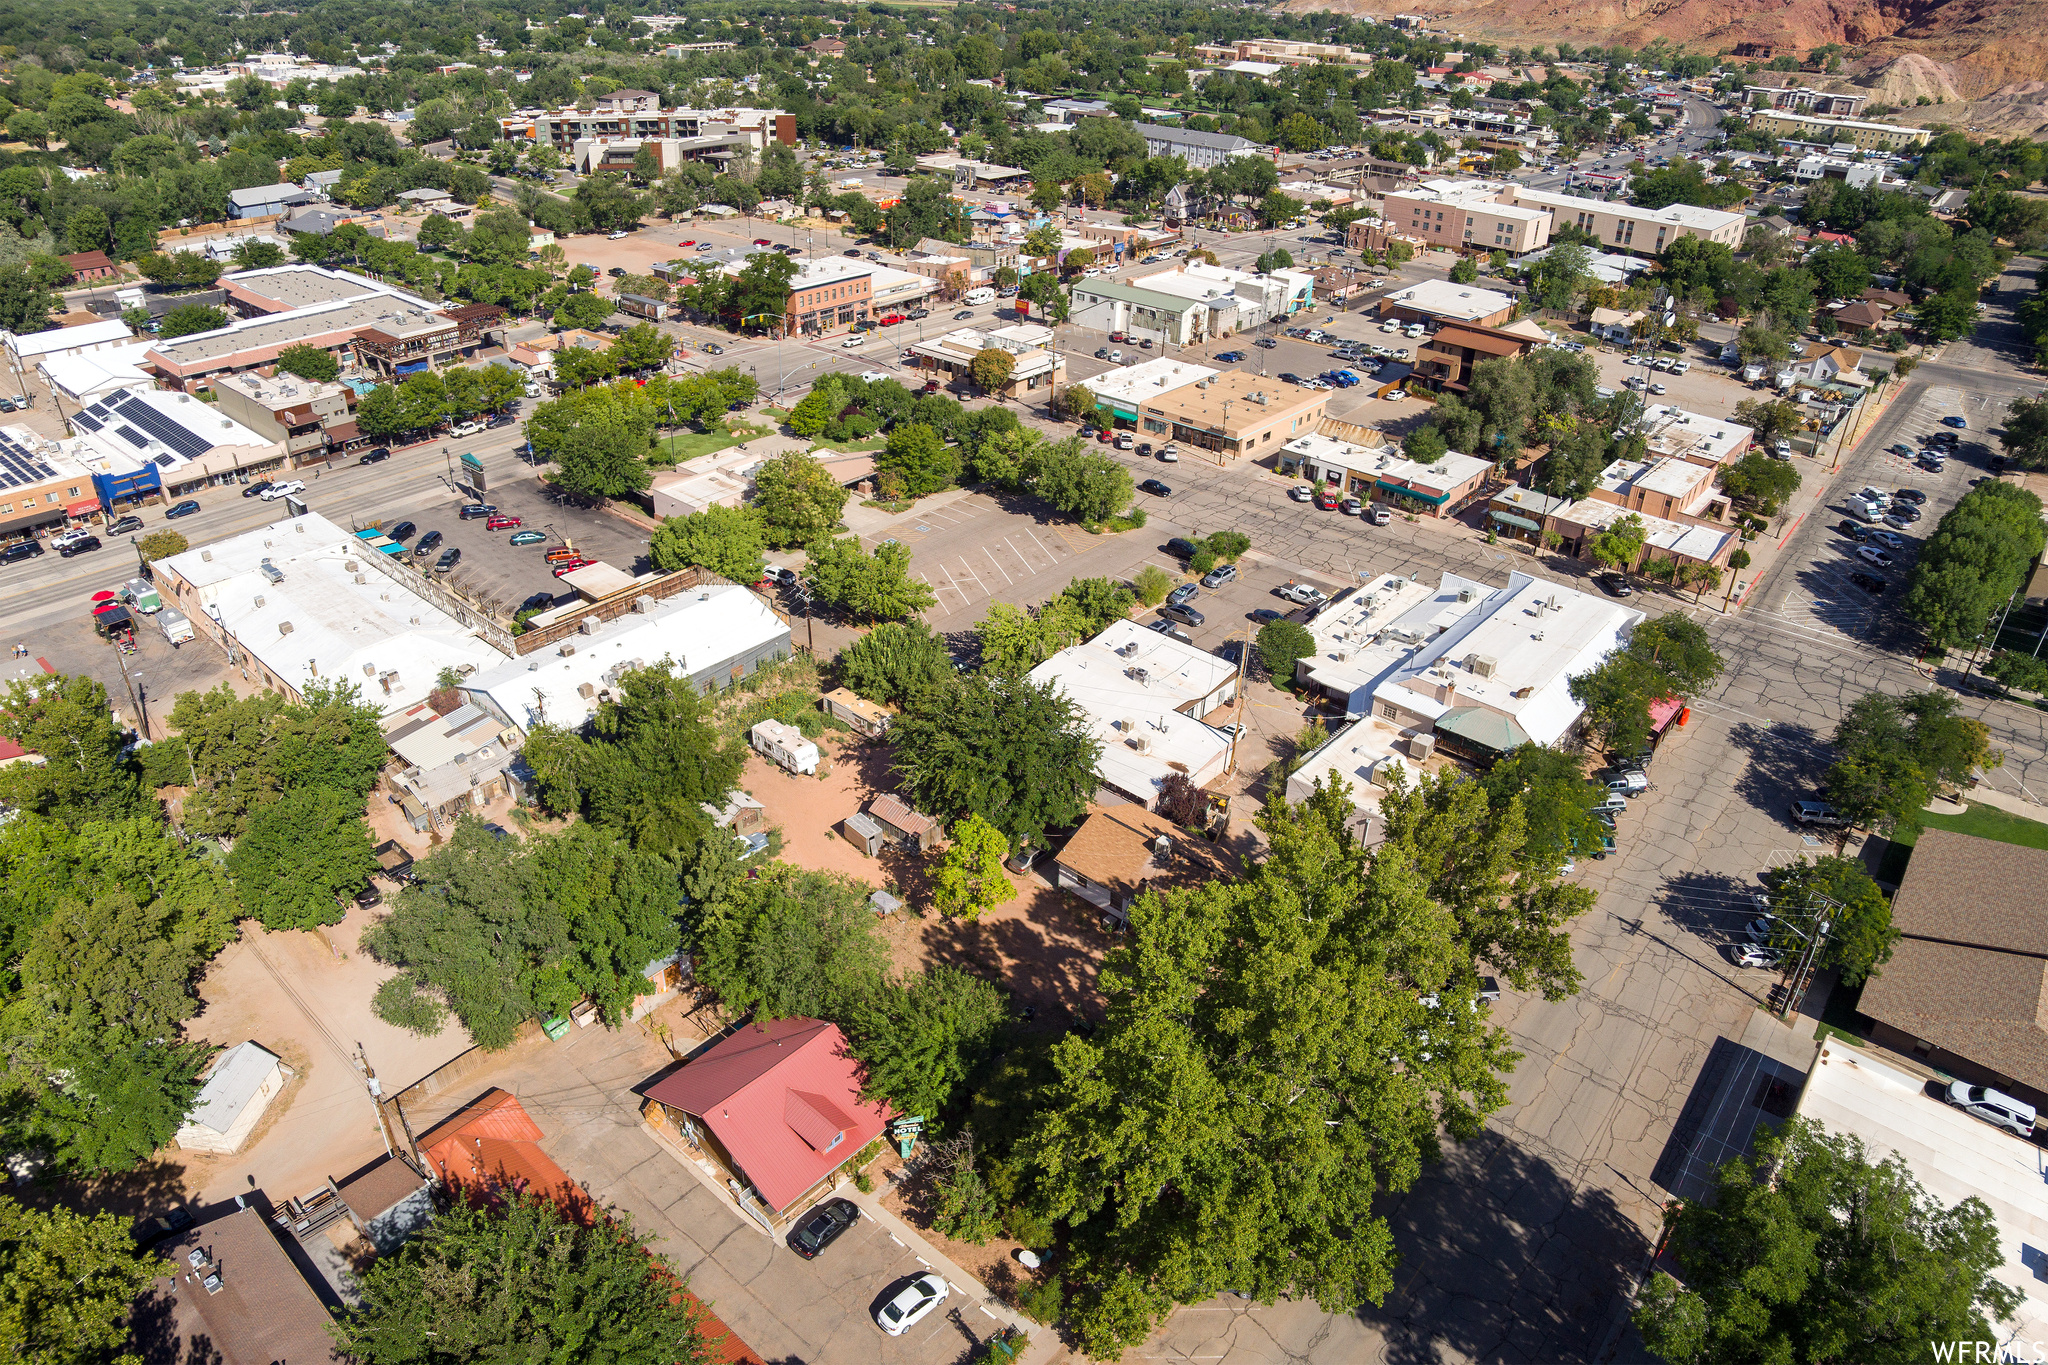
(104, 595)
(103, 608)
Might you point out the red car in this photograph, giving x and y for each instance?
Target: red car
(1103, 435)
(503, 524)
(569, 566)
(1118, 336)
(761, 241)
(690, 241)
(1327, 500)
(892, 319)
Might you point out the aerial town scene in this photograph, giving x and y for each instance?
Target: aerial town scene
(936, 682)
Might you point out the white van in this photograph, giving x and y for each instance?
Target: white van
(977, 297)
(2015, 1116)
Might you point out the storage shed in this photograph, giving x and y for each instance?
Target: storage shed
(864, 834)
(904, 825)
(244, 1080)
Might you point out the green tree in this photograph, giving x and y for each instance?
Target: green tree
(188, 318)
(1280, 1052)
(998, 746)
(2025, 436)
(88, 229)
(761, 290)
(309, 362)
(1084, 485)
(85, 775)
(1809, 1250)
(970, 878)
(1771, 418)
(1949, 314)
(1465, 271)
(1977, 558)
(649, 757)
(67, 1283)
(920, 1039)
(1894, 753)
(992, 367)
(873, 587)
(725, 540)
(302, 856)
(1859, 937)
(519, 1278)
(2017, 670)
(162, 545)
(797, 499)
(1762, 482)
(920, 458)
(1620, 545)
(791, 943)
(1666, 656)
(1281, 643)
(894, 661)
(238, 753)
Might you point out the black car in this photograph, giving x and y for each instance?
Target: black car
(1155, 488)
(1287, 378)
(850, 252)
(150, 1231)
(1181, 548)
(540, 601)
(1912, 496)
(377, 456)
(427, 544)
(963, 315)
(1852, 529)
(124, 526)
(402, 531)
(80, 546)
(616, 271)
(1870, 583)
(475, 511)
(20, 550)
(450, 557)
(183, 509)
(821, 1227)
(1614, 585)
(260, 486)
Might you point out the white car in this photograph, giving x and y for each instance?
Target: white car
(466, 429)
(857, 339)
(912, 1304)
(1395, 395)
(1170, 453)
(615, 236)
(1301, 492)
(282, 490)
(1390, 327)
(872, 376)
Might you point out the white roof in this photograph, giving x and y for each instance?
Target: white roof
(1387, 462)
(1539, 636)
(1365, 754)
(318, 623)
(28, 345)
(91, 374)
(1448, 299)
(1953, 1156)
(696, 631)
(121, 430)
(1672, 430)
(1117, 706)
(1694, 542)
(1362, 638)
(1131, 385)
(1682, 215)
(237, 1076)
(264, 194)
(1256, 68)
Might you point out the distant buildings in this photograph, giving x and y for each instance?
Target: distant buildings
(1481, 217)
(1832, 131)
(1201, 151)
(616, 126)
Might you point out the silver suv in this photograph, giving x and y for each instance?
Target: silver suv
(1817, 813)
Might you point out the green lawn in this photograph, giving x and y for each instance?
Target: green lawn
(875, 443)
(1985, 822)
(688, 445)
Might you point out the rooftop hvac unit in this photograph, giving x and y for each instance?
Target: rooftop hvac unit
(1162, 847)
(1127, 725)
(585, 691)
(362, 578)
(415, 620)
(1420, 747)
(567, 650)
(1127, 650)
(270, 571)
(643, 604)
(1464, 594)
(369, 670)
(349, 565)
(1482, 664)
(259, 601)
(588, 625)
(1143, 677)
(1142, 743)
(284, 627)
(206, 556)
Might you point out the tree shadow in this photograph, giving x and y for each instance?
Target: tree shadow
(1786, 762)
(1503, 1257)
(1046, 954)
(151, 1188)
(155, 1337)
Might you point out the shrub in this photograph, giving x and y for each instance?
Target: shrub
(1203, 561)
(1152, 585)
(1137, 517)
(1028, 1228)
(162, 545)
(1041, 1302)
(403, 1003)
(1228, 545)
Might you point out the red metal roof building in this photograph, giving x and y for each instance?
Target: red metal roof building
(493, 1144)
(777, 1104)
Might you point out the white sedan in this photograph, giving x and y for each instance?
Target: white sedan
(857, 339)
(912, 1304)
(1301, 492)
(281, 490)
(872, 376)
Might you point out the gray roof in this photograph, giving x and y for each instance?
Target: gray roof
(1187, 137)
(236, 1078)
(267, 194)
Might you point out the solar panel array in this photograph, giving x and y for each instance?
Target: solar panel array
(92, 419)
(131, 436)
(21, 467)
(187, 443)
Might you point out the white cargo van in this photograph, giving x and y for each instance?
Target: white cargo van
(977, 297)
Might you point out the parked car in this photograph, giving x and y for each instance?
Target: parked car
(82, 545)
(1816, 813)
(503, 523)
(1182, 595)
(450, 557)
(1957, 422)
(282, 490)
(1182, 615)
(1218, 576)
(1870, 583)
(256, 489)
(1180, 547)
(1902, 450)
(183, 509)
(539, 601)
(1303, 594)
(1327, 499)
(401, 531)
(1230, 357)
(1265, 343)
(377, 456)
(428, 543)
(475, 510)
(1887, 539)
(1871, 554)
(1302, 492)
(1351, 507)
(1912, 497)
(125, 525)
(1172, 631)
(821, 1227)
(1170, 453)
(1615, 584)
(569, 566)
(2015, 1116)
(1377, 514)
(1155, 488)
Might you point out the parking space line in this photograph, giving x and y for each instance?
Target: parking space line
(1021, 556)
(1050, 557)
(973, 575)
(999, 568)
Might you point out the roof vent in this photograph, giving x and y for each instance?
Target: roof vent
(585, 691)
(259, 601)
(349, 565)
(206, 556)
(284, 627)
(567, 650)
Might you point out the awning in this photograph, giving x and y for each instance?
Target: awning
(1488, 729)
(1662, 713)
(342, 432)
(1510, 519)
(82, 509)
(1437, 499)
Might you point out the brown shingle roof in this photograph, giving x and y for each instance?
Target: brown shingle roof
(1113, 848)
(378, 1186)
(1971, 974)
(1859, 314)
(263, 1309)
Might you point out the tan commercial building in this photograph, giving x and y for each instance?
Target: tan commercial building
(1624, 227)
(312, 421)
(1465, 216)
(40, 485)
(1234, 414)
(1807, 128)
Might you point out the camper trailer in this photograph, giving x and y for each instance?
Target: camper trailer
(785, 746)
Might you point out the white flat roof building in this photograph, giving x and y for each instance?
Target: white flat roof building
(1703, 440)
(1365, 632)
(1703, 543)
(711, 634)
(1499, 676)
(1142, 695)
(1123, 389)
(1449, 300)
(1630, 228)
(187, 440)
(89, 377)
(302, 601)
(26, 348)
(1953, 1156)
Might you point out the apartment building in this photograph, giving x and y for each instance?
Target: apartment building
(1626, 228)
(1798, 99)
(638, 115)
(1236, 414)
(1201, 151)
(1466, 216)
(1832, 131)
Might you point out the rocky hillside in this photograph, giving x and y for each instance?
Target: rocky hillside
(1981, 46)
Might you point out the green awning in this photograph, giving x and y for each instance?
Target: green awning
(1436, 499)
(1488, 729)
(1510, 519)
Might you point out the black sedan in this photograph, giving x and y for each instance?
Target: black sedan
(1870, 583)
(963, 315)
(1615, 585)
(1155, 488)
(402, 531)
(821, 1227)
(377, 456)
(1286, 378)
(476, 510)
(540, 601)
(83, 545)
(427, 544)
(450, 557)
(183, 509)
(260, 486)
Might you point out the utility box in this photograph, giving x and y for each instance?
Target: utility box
(785, 746)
